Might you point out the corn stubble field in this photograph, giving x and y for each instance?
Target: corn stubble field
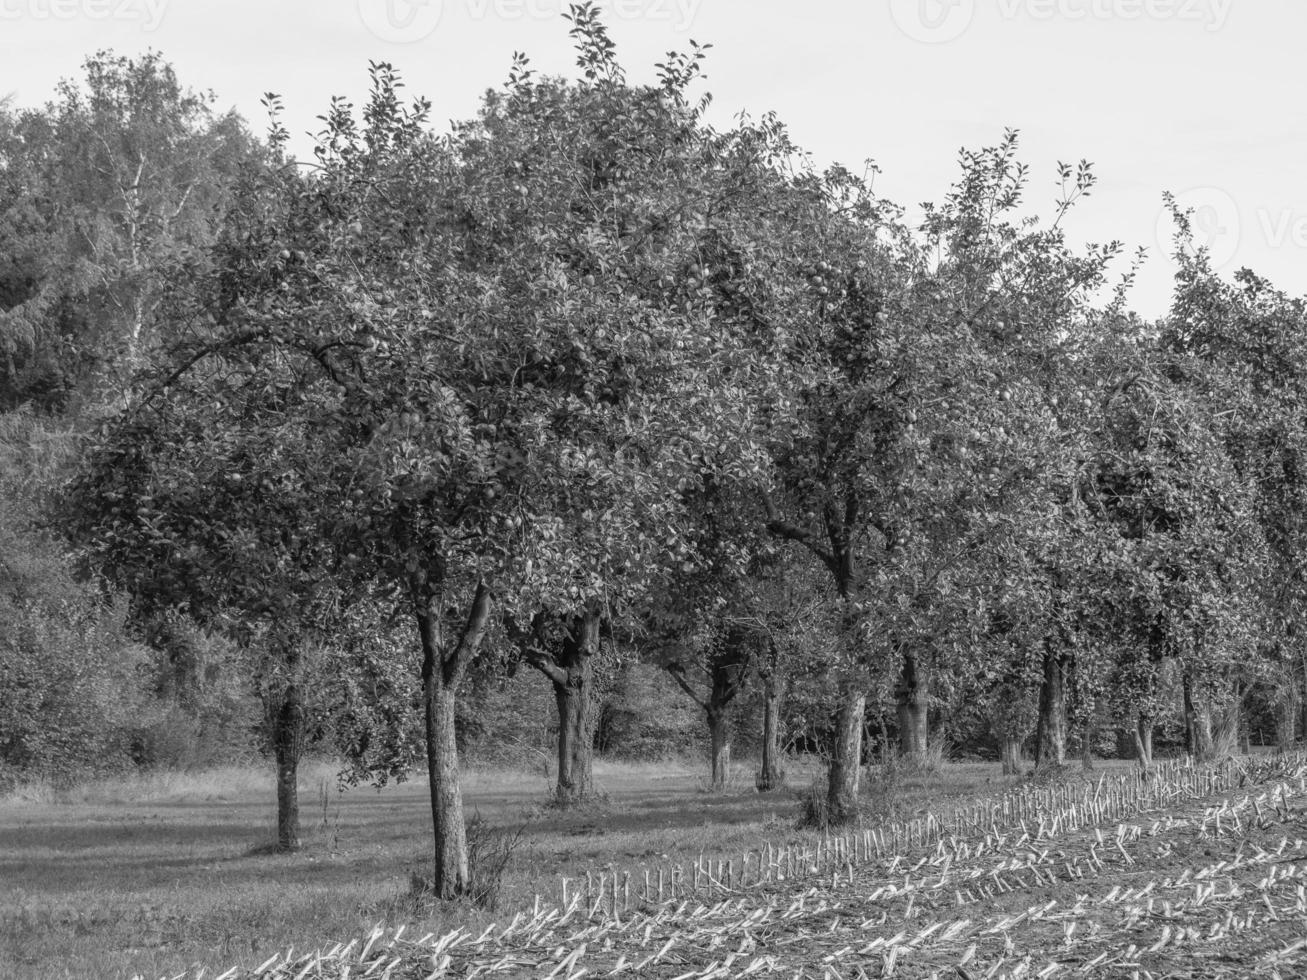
(1195, 872)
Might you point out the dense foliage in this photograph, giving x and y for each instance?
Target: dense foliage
(588, 390)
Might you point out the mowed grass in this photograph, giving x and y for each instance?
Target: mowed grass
(157, 875)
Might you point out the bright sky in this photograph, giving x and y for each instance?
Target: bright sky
(1206, 98)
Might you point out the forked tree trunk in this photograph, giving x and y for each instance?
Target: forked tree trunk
(1143, 735)
(846, 761)
(770, 776)
(1051, 731)
(573, 683)
(566, 658)
(913, 701)
(444, 662)
(287, 747)
(726, 674)
(1011, 755)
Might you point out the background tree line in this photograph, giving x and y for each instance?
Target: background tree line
(589, 404)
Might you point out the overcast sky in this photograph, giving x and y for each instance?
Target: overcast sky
(1205, 98)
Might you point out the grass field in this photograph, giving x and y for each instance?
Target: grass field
(157, 875)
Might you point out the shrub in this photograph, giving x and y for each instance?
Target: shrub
(813, 810)
(489, 852)
(206, 713)
(73, 684)
(647, 717)
(882, 799)
(938, 751)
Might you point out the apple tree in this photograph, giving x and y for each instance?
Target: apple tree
(468, 367)
(908, 403)
(1250, 340)
(1182, 551)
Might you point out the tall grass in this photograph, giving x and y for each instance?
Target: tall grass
(157, 786)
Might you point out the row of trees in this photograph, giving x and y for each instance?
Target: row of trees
(586, 373)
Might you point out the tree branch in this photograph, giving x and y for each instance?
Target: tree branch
(545, 664)
(237, 340)
(792, 532)
(455, 664)
(678, 674)
(533, 648)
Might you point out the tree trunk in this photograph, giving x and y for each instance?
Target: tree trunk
(451, 877)
(443, 666)
(1087, 710)
(1245, 729)
(1286, 707)
(1300, 682)
(1302, 718)
(1205, 751)
(1050, 734)
(770, 776)
(574, 696)
(727, 675)
(576, 719)
(913, 697)
(1011, 755)
(1190, 726)
(719, 731)
(1286, 721)
(1143, 734)
(287, 746)
(846, 761)
(1197, 723)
